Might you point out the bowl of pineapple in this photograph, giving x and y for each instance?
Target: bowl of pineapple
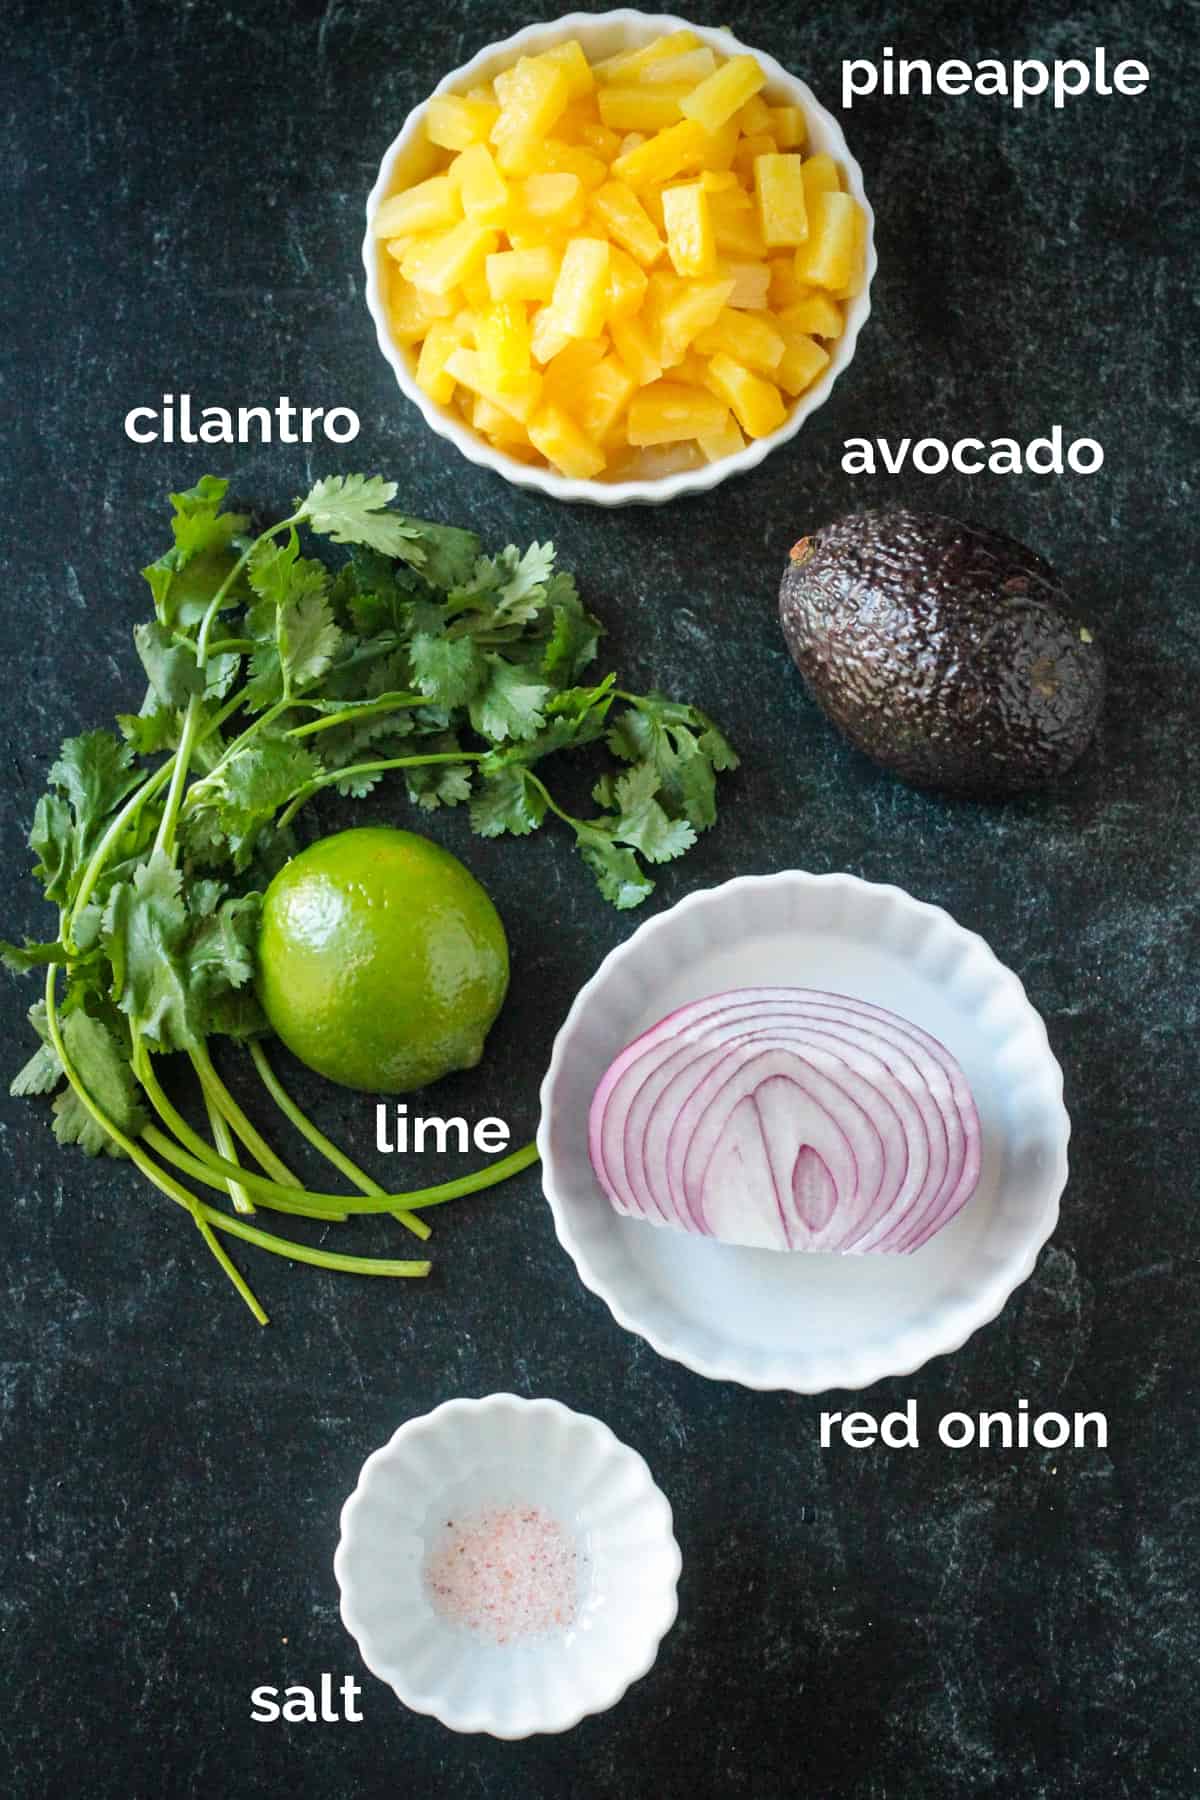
(618, 257)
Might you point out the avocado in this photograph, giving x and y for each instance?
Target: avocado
(948, 653)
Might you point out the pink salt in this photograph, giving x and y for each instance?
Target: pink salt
(507, 1572)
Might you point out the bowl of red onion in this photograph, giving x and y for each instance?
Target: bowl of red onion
(803, 1132)
(507, 1565)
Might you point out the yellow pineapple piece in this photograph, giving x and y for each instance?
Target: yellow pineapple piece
(748, 150)
(493, 422)
(441, 342)
(686, 69)
(519, 400)
(858, 259)
(690, 241)
(532, 97)
(627, 222)
(748, 338)
(631, 341)
(627, 65)
(475, 291)
(691, 369)
(453, 121)
(522, 274)
(720, 147)
(719, 181)
(406, 316)
(716, 100)
(756, 403)
(548, 336)
(626, 285)
(676, 311)
(726, 442)
(820, 176)
(554, 156)
(668, 153)
(565, 372)
(755, 117)
(600, 140)
(431, 205)
(785, 289)
(482, 189)
(667, 412)
(439, 306)
(827, 257)
(444, 262)
(779, 191)
(581, 291)
(502, 335)
(751, 284)
(555, 200)
(802, 361)
(787, 126)
(736, 230)
(641, 108)
(572, 60)
(466, 322)
(554, 432)
(602, 396)
(818, 315)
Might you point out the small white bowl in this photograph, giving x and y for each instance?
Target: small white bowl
(805, 1322)
(605, 34)
(470, 1455)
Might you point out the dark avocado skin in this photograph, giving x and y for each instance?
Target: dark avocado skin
(948, 653)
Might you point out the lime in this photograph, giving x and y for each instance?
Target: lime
(382, 963)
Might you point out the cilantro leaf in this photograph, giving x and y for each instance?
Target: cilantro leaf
(171, 667)
(296, 638)
(449, 671)
(618, 873)
(43, 1072)
(575, 634)
(642, 823)
(507, 801)
(103, 1070)
(350, 510)
(248, 792)
(509, 705)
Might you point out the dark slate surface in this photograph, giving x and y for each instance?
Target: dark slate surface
(183, 190)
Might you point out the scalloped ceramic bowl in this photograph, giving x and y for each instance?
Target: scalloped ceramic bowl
(469, 1455)
(805, 1322)
(604, 34)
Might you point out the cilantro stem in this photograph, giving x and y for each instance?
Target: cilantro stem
(239, 743)
(225, 1103)
(214, 605)
(216, 1172)
(322, 1259)
(319, 1141)
(557, 810)
(230, 1267)
(333, 776)
(351, 715)
(223, 1139)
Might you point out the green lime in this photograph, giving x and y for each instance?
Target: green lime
(382, 963)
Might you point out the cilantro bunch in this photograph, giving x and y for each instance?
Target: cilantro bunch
(270, 677)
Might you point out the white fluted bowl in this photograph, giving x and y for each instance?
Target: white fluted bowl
(406, 160)
(469, 1455)
(805, 1322)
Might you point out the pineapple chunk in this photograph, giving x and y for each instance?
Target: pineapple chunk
(552, 200)
(565, 373)
(627, 222)
(600, 140)
(406, 315)
(532, 96)
(560, 440)
(669, 411)
(444, 262)
(820, 176)
(626, 285)
(476, 293)
(522, 274)
(482, 189)
(518, 401)
(720, 147)
(785, 289)
(690, 241)
(494, 422)
(735, 226)
(641, 108)
(755, 117)
(602, 396)
(548, 336)
(748, 338)
(748, 150)
(632, 344)
(668, 153)
(676, 311)
(581, 291)
(441, 342)
(627, 65)
(726, 442)
(818, 314)
(779, 191)
(716, 100)
(572, 60)
(757, 404)
(687, 69)
(858, 274)
(430, 206)
(556, 157)
(751, 285)
(453, 122)
(827, 257)
(502, 335)
(787, 126)
(801, 363)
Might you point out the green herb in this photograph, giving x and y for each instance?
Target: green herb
(272, 676)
